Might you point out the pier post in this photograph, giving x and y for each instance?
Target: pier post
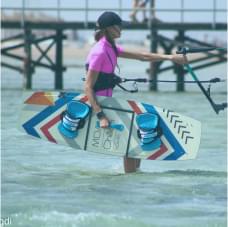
(59, 60)
(179, 69)
(28, 67)
(153, 65)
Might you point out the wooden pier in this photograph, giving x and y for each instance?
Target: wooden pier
(59, 27)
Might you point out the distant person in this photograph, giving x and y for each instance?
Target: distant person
(141, 4)
(101, 62)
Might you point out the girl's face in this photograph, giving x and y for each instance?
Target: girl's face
(114, 31)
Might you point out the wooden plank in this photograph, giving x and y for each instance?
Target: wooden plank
(137, 26)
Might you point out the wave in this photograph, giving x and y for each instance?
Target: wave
(197, 172)
(81, 219)
(188, 172)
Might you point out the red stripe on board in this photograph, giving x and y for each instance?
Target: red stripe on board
(84, 99)
(46, 127)
(135, 107)
(160, 152)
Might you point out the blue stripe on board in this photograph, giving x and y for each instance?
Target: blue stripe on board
(178, 149)
(31, 123)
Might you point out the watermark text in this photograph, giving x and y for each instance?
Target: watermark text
(5, 222)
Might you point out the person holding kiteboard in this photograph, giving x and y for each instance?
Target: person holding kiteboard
(100, 66)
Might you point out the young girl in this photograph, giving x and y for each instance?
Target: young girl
(102, 60)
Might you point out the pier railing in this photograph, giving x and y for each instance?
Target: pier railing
(25, 10)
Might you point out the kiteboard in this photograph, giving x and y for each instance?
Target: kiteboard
(137, 130)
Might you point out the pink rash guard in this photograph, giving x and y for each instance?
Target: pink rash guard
(99, 60)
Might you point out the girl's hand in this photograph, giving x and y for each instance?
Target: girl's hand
(104, 122)
(179, 59)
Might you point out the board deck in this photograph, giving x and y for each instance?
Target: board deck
(180, 139)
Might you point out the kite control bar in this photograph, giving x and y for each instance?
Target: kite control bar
(186, 50)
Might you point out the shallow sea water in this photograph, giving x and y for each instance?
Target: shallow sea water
(48, 185)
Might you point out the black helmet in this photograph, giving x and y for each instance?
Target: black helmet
(108, 19)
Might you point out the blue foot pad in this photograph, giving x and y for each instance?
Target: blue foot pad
(75, 113)
(148, 131)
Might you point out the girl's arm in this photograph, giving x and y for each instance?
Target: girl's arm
(91, 79)
(146, 56)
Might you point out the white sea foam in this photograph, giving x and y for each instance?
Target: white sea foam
(81, 219)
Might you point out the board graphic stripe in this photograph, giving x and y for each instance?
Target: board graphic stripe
(40, 98)
(35, 120)
(84, 99)
(160, 152)
(178, 149)
(134, 107)
(45, 128)
(163, 148)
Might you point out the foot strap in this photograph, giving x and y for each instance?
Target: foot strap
(148, 131)
(73, 118)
